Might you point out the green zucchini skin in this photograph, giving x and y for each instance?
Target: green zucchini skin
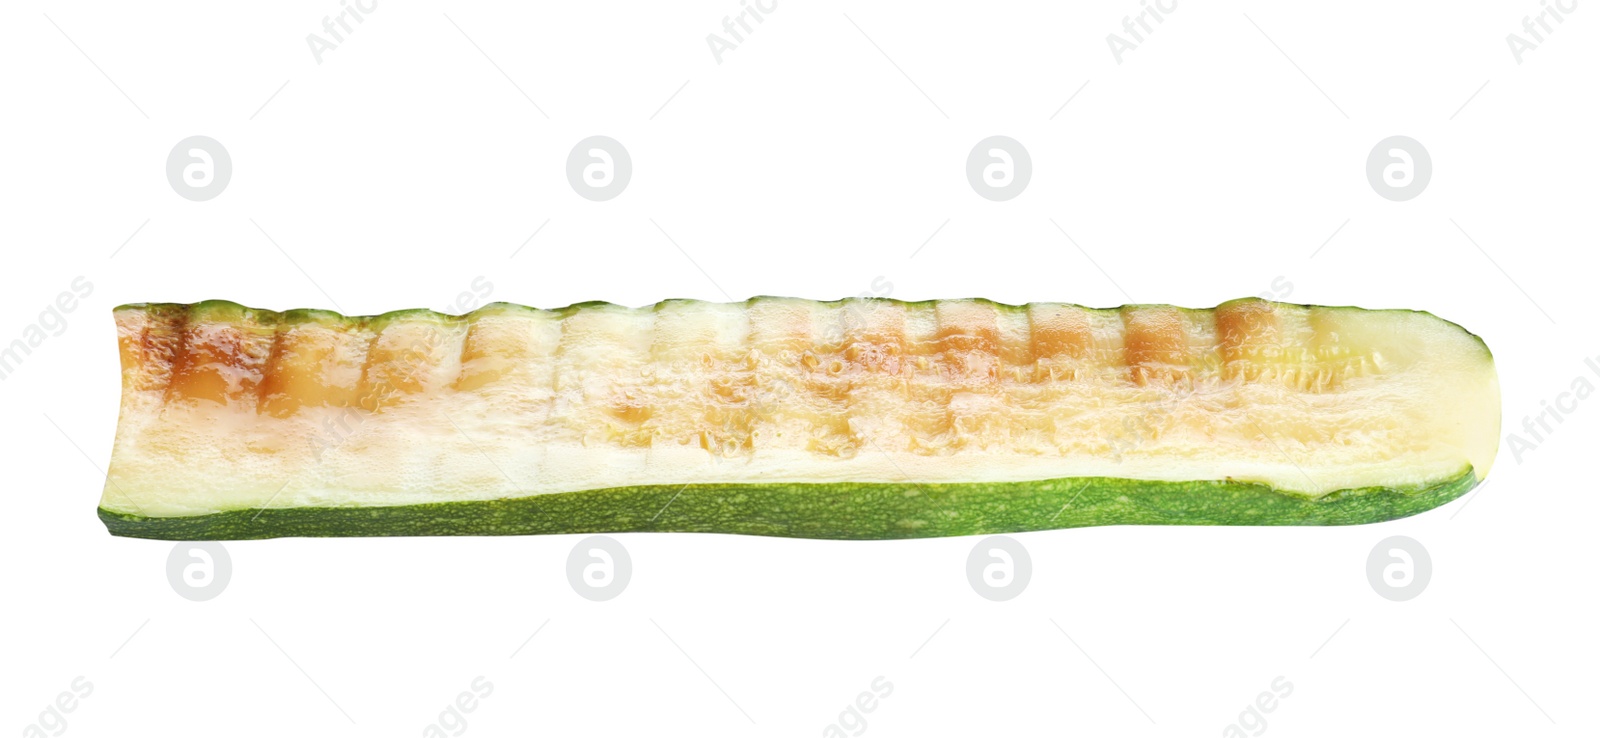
(850, 511)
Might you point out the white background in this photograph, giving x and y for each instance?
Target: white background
(1201, 168)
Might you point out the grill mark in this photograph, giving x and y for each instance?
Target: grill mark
(271, 364)
(824, 382)
(364, 383)
(135, 366)
(1156, 345)
(180, 353)
(461, 355)
(1248, 337)
(742, 378)
(874, 355)
(1061, 338)
(780, 337)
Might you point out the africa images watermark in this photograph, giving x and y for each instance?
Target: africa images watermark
(852, 720)
(1252, 721)
(52, 720)
(51, 323)
(452, 720)
(1537, 27)
(337, 27)
(1138, 27)
(1552, 413)
(736, 28)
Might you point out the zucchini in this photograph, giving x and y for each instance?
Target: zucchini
(861, 418)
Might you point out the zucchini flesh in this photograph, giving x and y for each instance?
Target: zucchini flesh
(859, 418)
